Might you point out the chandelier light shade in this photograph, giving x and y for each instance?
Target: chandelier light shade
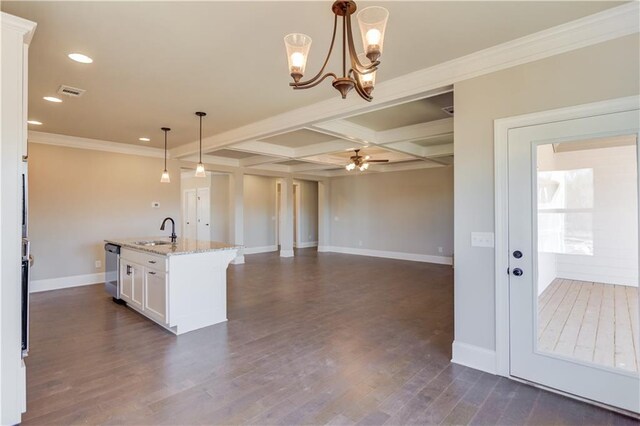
(359, 71)
(298, 46)
(373, 22)
(200, 172)
(165, 174)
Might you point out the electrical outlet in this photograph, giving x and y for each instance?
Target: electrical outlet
(440, 250)
(155, 204)
(98, 264)
(336, 218)
(360, 243)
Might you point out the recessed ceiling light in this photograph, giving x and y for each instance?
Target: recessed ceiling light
(52, 99)
(144, 139)
(79, 57)
(35, 122)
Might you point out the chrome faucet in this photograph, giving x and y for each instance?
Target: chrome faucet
(173, 228)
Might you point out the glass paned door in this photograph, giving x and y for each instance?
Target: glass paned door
(573, 242)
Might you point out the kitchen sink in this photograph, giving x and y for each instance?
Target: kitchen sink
(152, 243)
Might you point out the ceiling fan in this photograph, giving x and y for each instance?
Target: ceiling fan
(361, 162)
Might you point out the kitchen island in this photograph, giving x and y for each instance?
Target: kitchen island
(180, 285)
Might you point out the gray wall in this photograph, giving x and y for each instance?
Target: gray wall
(308, 211)
(408, 211)
(79, 197)
(604, 71)
(220, 207)
(259, 211)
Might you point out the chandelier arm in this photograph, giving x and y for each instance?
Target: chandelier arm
(326, 61)
(311, 84)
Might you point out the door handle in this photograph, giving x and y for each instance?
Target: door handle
(518, 272)
(151, 273)
(517, 254)
(152, 261)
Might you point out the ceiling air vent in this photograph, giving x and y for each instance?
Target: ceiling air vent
(74, 92)
(448, 110)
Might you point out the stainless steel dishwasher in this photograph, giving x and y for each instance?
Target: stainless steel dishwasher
(112, 272)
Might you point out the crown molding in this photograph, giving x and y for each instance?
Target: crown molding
(94, 144)
(21, 25)
(607, 25)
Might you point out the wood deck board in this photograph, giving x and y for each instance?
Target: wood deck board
(592, 322)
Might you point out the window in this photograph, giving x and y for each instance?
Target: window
(565, 211)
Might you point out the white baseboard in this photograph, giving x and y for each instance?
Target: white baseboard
(306, 244)
(255, 250)
(36, 286)
(442, 260)
(286, 253)
(238, 260)
(474, 357)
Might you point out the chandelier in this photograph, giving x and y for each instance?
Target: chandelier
(360, 73)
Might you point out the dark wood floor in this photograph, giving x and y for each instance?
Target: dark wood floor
(318, 339)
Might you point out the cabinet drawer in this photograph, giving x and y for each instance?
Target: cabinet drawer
(148, 260)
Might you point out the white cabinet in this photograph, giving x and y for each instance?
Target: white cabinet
(179, 292)
(143, 284)
(155, 296)
(137, 296)
(126, 281)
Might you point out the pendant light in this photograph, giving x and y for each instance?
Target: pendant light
(200, 168)
(165, 175)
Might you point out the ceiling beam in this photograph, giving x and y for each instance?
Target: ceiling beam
(337, 145)
(256, 160)
(416, 132)
(346, 130)
(265, 148)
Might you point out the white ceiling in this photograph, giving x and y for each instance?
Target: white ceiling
(156, 63)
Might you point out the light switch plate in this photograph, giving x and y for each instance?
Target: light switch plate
(482, 239)
(155, 204)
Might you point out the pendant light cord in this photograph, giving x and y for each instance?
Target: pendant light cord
(200, 139)
(165, 150)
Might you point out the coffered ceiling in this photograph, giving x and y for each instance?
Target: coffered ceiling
(156, 63)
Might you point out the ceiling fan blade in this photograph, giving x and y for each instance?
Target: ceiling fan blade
(377, 161)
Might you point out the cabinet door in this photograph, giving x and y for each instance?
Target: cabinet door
(126, 281)
(137, 298)
(155, 301)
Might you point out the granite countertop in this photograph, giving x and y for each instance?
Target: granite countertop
(181, 246)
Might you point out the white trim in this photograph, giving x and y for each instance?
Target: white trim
(501, 160)
(286, 253)
(238, 260)
(609, 24)
(20, 25)
(474, 357)
(307, 244)
(263, 249)
(37, 286)
(94, 144)
(414, 257)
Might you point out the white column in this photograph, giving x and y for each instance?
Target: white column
(236, 213)
(324, 216)
(286, 207)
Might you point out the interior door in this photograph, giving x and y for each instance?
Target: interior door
(190, 214)
(573, 247)
(203, 214)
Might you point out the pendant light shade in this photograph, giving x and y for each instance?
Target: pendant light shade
(200, 172)
(165, 174)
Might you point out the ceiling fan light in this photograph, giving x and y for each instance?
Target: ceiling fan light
(373, 22)
(200, 172)
(165, 177)
(298, 46)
